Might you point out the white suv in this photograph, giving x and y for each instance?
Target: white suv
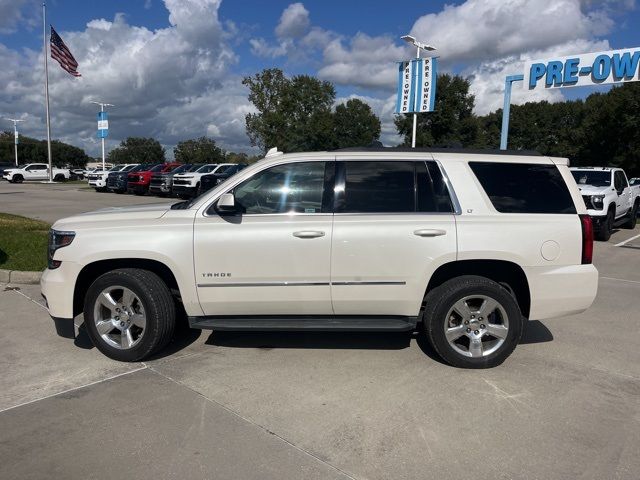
(98, 178)
(464, 246)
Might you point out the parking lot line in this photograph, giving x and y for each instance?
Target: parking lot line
(73, 389)
(626, 241)
(620, 280)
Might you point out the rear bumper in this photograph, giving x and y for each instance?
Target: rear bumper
(560, 291)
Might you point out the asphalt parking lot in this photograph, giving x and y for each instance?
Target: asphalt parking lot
(224, 405)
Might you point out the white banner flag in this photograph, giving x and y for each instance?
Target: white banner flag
(416, 85)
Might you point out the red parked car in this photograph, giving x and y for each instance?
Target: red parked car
(138, 182)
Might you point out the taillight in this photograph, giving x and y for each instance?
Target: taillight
(587, 239)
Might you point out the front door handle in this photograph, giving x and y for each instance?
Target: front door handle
(308, 234)
(429, 232)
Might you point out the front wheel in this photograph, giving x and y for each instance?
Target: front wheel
(472, 322)
(604, 233)
(632, 220)
(17, 179)
(129, 314)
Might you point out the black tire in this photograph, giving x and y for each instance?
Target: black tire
(440, 300)
(59, 178)
(632, 219)
(158, 305)
(17, 179)
(604, 232)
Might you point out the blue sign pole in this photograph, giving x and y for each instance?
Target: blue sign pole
(508, 82)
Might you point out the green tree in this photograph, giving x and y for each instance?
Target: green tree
(233, 157)
(198, 150)
(451, 124)
(355, 124)
(137, 150)
(293, 114)
(31, 150)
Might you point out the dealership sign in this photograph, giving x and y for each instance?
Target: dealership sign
(416, 85)
(103, 125)
(587, 69)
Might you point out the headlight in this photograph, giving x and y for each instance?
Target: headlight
(597, 201)
(57, 240)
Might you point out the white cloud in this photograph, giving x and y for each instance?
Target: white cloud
(479, 30)
(11, 14)
(367, 61)
(172, 83)
(294, 21)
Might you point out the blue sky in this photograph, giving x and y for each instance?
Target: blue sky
(174, 67)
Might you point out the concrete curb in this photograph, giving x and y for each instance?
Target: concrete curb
(15, 276)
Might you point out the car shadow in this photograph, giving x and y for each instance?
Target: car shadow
(535, 332)
(311, 340)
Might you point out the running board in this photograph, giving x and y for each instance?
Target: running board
(318, 323)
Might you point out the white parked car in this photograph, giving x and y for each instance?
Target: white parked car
(98, 178)
(35, 171)
(188, 184)
(462, 246)
(610, 199)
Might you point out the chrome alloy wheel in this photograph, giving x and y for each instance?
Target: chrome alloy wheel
(119, 317)
(476, 326)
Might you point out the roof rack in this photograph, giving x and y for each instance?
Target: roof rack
(527, 153)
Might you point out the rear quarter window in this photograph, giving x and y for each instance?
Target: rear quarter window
(524, 188)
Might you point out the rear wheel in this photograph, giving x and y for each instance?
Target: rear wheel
(632, 219)
(472, 322)
(59, 178)
(129, 314)
(604, 233)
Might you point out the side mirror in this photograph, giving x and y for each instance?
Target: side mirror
(226, 203)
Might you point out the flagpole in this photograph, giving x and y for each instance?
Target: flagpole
(46, 86)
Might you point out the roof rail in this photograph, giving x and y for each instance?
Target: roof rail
(528, 153)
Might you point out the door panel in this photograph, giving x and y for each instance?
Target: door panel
(381, 263)
(272, 257)
(256, 265)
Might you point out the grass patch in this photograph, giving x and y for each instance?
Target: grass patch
(23, 243)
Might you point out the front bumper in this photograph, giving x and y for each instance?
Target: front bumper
(57, 287)
(137, 187)
(598, 220)
(160, 188)
(99, 183)
(183, 189)
(561, 291)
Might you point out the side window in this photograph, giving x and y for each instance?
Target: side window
(293, 187)
(393, 187)
(378, 187)
(620, 181)
(524, 188)
(431, 190)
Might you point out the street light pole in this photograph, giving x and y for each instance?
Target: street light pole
(15, 135)
(102, 105)
(419, 46)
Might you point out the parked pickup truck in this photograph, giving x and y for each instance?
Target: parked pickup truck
(161, 183)
(35, 171)
(610, 200)
(187, 184)
(98, 179)
(138, 182)
(462, 247)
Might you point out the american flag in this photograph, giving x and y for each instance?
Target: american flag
(61, 53)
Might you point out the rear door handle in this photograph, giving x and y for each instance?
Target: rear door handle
(429, 232)
(308, 234)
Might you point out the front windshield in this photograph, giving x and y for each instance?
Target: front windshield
(181, 169)
(206, 168)
(593, 178)
(157, 168)
(115, 168)
(195, 167)
(129, 168)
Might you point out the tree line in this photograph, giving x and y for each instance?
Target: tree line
(298, 114)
